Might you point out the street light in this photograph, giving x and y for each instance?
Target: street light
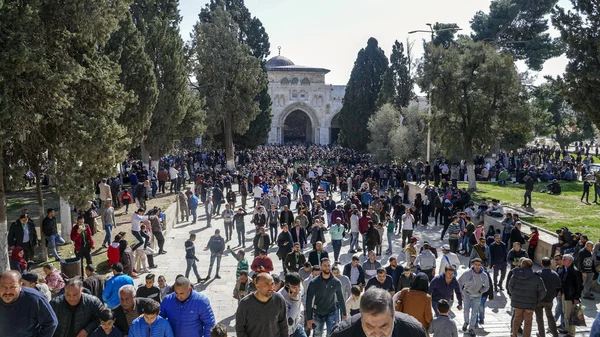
(432, 31)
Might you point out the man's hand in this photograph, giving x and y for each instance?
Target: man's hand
(93, 247)
(310, 323)
(576, 302)
(459, 307)
(82, 333)
(218, 254)
(197, 260)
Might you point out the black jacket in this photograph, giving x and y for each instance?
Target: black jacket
(266, 243)
(517, 236)
(498, 253)
(404, 325)
(552, 283)
(286, 218)
(49, 226)
(121, 319)
(348, 272)
(87, 315)
(290, 261)
(15, 234)
(527, 289)
(571, 283)
(301, 239)
(284, 250)
(313, 258)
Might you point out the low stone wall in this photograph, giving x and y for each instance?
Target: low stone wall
(544, 247)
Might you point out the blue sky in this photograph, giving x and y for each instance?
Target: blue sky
(329, 33)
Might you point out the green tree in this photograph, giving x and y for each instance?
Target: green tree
(381, 126)
(252, 34)
(408, 141)
(362, 90)
(158, 22)
(578, 30)
(473, 89)
(397, 84)
(444, 37)
(228, 76)
(519, 27)
(564, 124)
(126, 47)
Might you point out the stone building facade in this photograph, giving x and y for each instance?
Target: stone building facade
(304, 106)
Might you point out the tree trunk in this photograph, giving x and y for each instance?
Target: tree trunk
(228, 133)
(65, 220)
(4, 264)
(471, 176)
(145, 155)
(40, 200)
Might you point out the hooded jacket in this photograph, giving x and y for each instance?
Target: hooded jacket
(415, 301)
(192, 318)
(527, 289)
(159, 328)
(474, 284)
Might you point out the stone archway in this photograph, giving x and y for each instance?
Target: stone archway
(297, 127)
(334, 129)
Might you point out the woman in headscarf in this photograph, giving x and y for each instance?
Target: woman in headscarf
(415, 301)
(17, 260)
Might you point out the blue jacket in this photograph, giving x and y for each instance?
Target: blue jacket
(193, 202)
(439, 289)
(192, 318)
(29, 316)
(160, 328)
(110, 295)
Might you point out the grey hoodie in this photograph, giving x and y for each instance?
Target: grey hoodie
(294, 310)
(474, 284)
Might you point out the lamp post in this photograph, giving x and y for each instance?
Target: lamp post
(432, 32)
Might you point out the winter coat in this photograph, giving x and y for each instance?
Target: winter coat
(192, 318)
(86, 315)
(526, 288)
(159, 328)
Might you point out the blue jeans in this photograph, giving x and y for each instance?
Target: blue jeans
(337, 246)
(344, 194)
(353, 240)
(191, 264)
(53, 241)
(558, 312)
(471, 306)
(482, 309)
(331, 320)
(299, 332)
(212, 261)
(241, 234)
(193, 213)
(108, 229)
(434, 306)
(389, 240)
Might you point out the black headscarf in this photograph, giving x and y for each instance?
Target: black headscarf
(421, 282)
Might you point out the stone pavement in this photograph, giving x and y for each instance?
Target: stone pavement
(219, 291)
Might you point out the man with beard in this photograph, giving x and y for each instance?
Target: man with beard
(378, 318)
(24, 311)
(324, 291)
(263, 313)
(294, 260)
(291, 293)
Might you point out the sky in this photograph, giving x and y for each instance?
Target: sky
(329, 33)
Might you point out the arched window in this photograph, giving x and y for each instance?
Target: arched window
(305, 81)
(285, 81)
(294, 81)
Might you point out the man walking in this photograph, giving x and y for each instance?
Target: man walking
(50, 231)
(190, 257)
(528, 189)
(228, 221)
(527, 290)
(22, 234)
(571, 287)
(216, 244)
(552, 283)
(585, 263)
(324, 292)
(498, 261)
(108, 222)
(262, 313)
(474, 283)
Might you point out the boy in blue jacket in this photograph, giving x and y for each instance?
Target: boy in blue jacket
(150, 325)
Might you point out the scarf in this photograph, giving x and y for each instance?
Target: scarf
(15, 257)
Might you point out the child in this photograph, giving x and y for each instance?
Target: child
(141, 261)
(126, 199)
(443, 326)
(219, 330)
(107, 328)
(353, 303)
(151, 322)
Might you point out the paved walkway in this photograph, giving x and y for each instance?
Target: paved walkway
(497, 320)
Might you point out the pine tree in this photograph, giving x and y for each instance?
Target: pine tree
(158, 22)
(360, 99)
(520, 28)
(579, 32)
(228, 76)
(252, 34)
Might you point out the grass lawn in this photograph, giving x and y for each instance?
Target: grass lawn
(550, 211)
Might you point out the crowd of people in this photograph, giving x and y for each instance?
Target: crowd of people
(286, 196)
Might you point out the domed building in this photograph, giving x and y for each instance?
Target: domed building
(304, 106)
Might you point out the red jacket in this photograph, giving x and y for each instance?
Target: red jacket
(114, 255)
(363, 224)
(267, 263)
(76, 237)
(533, 241)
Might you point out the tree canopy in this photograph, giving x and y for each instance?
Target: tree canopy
(579, 32)
(360, 99)
(397, 84)
(519, 27)
(476, 98)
